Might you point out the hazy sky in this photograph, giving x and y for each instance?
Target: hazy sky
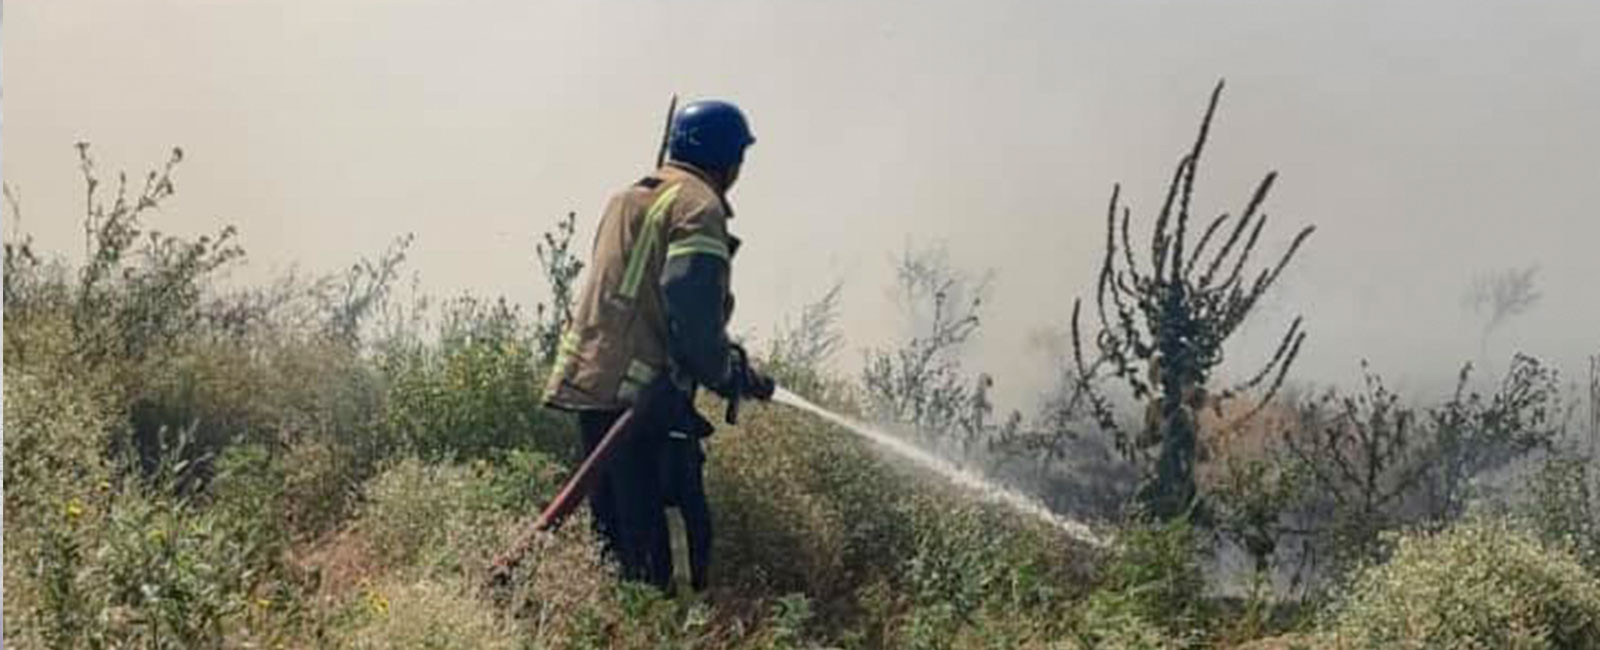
(1428, 141)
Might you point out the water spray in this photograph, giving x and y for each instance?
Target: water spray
(964, 478)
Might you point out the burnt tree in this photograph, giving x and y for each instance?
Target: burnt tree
(1163, 326)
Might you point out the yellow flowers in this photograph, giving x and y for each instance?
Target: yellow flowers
(74, 509)
(377, 603)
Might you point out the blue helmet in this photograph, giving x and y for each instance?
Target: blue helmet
(711, 135)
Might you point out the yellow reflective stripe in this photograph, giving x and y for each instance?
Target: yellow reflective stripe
(638, 375)
(640, 371)
(706, 244)
(646, 242)
(567, 348)
(565, 351)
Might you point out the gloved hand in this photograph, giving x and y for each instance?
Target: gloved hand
(743, 381)
(747, 380)
(759, 385)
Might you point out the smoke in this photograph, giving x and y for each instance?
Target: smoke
(1426, 141)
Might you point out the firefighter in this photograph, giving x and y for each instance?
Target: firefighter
(649, 327)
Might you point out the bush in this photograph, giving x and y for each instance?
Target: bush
(477, 392)
(920, 382)
(142, 321)
(143, 569)
(1565, 507)
(567, 596)
(443, 518)
(1150, 591)
(310, 403)
(888, 558)
(56, 428)
(1348, 467)
(800, 508)
(799, 353)
(1126, 632)
(566, 592)
(977, 578)
(1480, 584)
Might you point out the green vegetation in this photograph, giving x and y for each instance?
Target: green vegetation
(315, 464)
(1481, 584)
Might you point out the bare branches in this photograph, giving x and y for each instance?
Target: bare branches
(920, 382)
(800, 352)
(363, 290)
(1501, 295)
(816, 338)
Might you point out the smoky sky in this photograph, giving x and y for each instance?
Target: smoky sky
(1427, 141)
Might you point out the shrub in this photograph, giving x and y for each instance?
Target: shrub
(566, 592)
(920, 382)
(801, 508)
(799, 353)
(567, 596)
(887, 557)
(560, 266)
(1565, 507)
(1150, 590)
(478, 391)
(1480, 584)
(146, 570)
(1350, 466)
(300, 398)
(126, 312)
(976, 557)
(790, 615)
(1471, 434)
(979, 578)
(442, 518)
(1123, 631)
(56, 428)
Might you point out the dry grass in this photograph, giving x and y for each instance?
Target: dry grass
(1226, 435)
(396, 614)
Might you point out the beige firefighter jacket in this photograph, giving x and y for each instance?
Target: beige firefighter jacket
(618, 340)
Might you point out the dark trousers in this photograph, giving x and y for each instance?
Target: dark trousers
(684, 488)
(627, 501)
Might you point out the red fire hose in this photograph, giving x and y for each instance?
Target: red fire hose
(571, 494)
(579, 484)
